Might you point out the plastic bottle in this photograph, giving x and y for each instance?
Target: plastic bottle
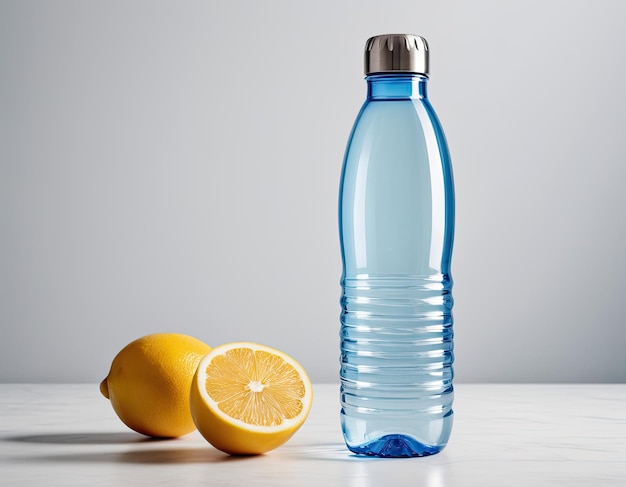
(396, 221)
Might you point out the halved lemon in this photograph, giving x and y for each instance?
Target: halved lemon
(248, 398)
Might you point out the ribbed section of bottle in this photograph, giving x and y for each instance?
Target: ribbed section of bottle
(396, 364)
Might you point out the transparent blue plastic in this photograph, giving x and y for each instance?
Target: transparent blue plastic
(396, 221)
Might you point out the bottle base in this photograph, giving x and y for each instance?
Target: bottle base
(395, 446)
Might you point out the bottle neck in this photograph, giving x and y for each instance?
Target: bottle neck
(397, 86)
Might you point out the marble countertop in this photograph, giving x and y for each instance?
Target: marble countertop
(504, 435)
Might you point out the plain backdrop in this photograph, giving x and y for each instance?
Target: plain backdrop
(174, 166)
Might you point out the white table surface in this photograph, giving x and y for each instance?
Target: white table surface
(504, 435)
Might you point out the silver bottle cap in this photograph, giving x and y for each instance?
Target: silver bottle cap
(393, 53)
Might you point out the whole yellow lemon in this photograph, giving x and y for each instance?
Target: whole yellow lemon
(149, 383)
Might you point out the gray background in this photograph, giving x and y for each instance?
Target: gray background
(174, 166)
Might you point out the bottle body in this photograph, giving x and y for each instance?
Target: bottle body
(396, 219)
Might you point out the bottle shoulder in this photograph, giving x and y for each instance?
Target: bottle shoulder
(378, 120)
(407, 110)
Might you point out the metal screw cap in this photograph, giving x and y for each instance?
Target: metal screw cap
(393, 53)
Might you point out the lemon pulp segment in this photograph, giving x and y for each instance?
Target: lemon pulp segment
(255, 387)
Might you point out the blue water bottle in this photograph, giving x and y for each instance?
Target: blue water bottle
(396, 223)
